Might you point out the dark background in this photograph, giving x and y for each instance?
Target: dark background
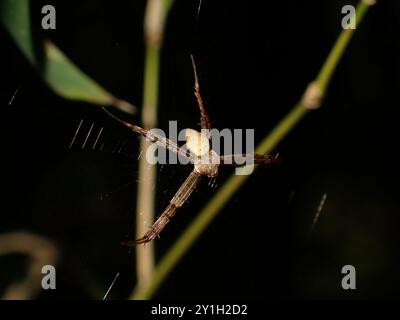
(254, 63)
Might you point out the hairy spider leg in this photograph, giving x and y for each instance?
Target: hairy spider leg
(155, 138)
(204, 118)
(250, 158)
(176, 202)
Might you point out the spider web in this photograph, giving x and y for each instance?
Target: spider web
(119, 149)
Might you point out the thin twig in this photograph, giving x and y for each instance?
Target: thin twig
(154, 24)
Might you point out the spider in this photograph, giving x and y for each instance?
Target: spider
(205, 160)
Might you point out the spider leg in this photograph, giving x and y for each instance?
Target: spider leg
(249, 158)
(153, 137)
(158, 226)
(266, 158)
(176, 202)
(204, 118)
(212, 182)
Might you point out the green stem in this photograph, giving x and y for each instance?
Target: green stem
(156, 13)
(147, 172)
(338, 49)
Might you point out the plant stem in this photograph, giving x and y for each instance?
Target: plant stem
(154, 23)
(339, 48)
(230, 187)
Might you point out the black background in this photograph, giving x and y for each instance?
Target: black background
(254, 63)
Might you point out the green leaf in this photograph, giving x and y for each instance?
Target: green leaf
(60, 73)
(68, 81)
(16, 18)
